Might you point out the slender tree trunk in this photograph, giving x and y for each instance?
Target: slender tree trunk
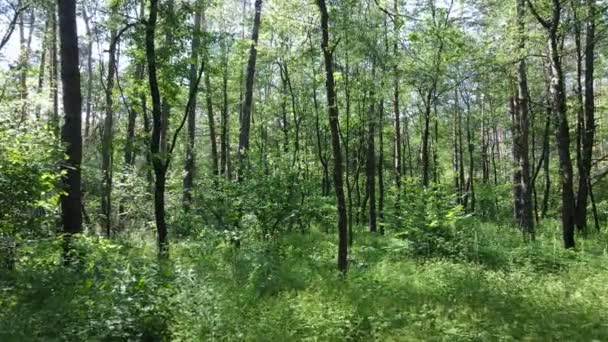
(43, 60)
(587, 122)
(325, 183)
(461, 177)
(332, 108)
(71, 201)
(435, 143)
(396, 104)
(155, 149)
(165, 104)
(209, 102)
(425, 139)
(106, 146)
(381, 169)
(54, 113)
(23, 66)
(129, 156)
(189, 165)
(517, 175)
(371, 165)
(246, 112)
(87, 26)
(225, 168)
(470, 188)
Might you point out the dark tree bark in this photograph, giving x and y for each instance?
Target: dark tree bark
(325, 182)
(189, 164)
(11, 25)
(516, 151)
(587, 122)
(521, 133)
(332, 109)
(106, 145)
(560, 112)
(246, 111)
(209, 103)
(225, 167)
(426, 133)
(129, 156)
(381, 169)
(71, 201)
(547, 174)
(371, 165)
(470, 183)
(396, 104)
(157, 161)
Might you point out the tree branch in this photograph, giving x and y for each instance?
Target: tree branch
(11, 26)
(191, 96)
(545, 23)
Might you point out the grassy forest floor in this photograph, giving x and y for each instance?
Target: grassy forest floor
(493, 288)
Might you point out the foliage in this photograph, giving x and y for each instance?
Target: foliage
(28, 186)
(427, 220)
(288, 289)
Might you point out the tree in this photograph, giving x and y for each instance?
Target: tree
(189, 165)
(521, 125)
(246, 109)
(332, 110)
(71, 202)
(560, 113)
(157, 159)
(587, 123)
(107, 140)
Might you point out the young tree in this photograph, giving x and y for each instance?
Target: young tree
(189, 164)
(332, 110)
(246, 109)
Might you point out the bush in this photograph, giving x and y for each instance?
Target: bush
(428, 220)
(28, 186)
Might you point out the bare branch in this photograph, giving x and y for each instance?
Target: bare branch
(11, 26)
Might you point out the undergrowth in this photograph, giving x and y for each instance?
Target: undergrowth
(493, 288)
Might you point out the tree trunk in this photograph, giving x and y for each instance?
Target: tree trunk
(209, 102)
(246, 111)
(129, 156)
(526, 217)
(157, 161)
(106, 146)
(381, 169)
(43, 60)
(54, 113)
(425, 139)
(587, 123)
(71, 202)
(189, 165)
(371, 165)
(332, 109)
(89, 101)
(562, 130)
(396, 104)
(225, 168)
(325, 183)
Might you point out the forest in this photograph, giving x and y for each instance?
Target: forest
(303, 170)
